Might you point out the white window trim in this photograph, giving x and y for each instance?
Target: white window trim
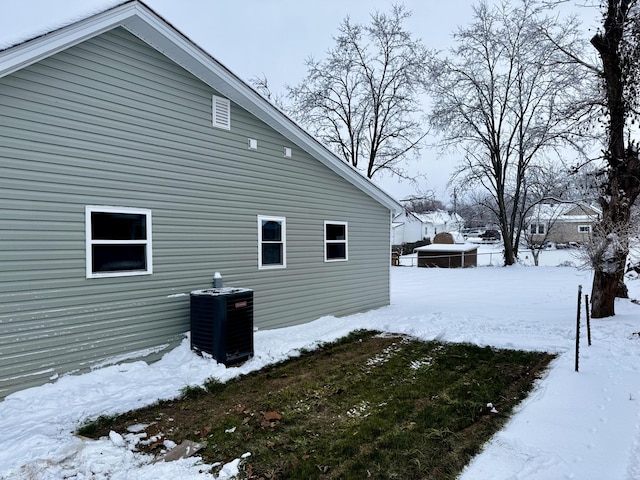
(283, 222)
(89, 242)
(586, 227)
(536, 230)
(345, 241)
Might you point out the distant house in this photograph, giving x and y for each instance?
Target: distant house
(133, 166)
(561, 223)
(409, 227)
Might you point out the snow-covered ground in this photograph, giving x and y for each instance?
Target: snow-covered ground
(583, 426)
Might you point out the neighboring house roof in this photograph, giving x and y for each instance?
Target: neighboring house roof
(438, 217)
(24, 48)
(564, 212)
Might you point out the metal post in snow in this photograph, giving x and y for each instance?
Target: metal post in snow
(578, 327)
(586, 309)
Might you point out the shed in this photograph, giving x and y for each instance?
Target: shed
(448, 255)
(133, 166)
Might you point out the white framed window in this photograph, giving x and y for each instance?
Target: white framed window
(537, 228)
(118, 241)
(221, 112)
(336, 248)
(272, 242)
(584, 228)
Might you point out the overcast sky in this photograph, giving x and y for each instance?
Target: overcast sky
(272, 38)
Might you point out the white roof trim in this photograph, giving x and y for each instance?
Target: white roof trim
(143, 22)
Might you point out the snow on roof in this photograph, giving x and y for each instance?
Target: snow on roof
(27, 19)
(438, 217)
(564, 211)
(448, 247)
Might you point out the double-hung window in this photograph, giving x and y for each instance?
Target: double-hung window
(537, 228)
(118, 241)
(272, 244)
(335, 242)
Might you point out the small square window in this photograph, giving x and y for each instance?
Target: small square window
(335, 242)
(272, 234)
(118, 241)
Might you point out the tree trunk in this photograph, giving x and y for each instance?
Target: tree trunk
(535, 253)
(603, 294)
(622, 184)
(622, 291)
(509, 254)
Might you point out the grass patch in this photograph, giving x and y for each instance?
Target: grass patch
(366, 406)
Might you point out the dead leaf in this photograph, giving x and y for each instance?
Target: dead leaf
(272, 416)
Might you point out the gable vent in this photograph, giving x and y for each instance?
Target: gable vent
(221, 113)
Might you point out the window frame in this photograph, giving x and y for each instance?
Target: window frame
(584, 229)
(328, 242)
(537, 229)
(90, 242)
(283, 242)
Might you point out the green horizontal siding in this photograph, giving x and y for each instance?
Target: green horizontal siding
(113, 122)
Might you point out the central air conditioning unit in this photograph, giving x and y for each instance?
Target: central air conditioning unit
(222, 323)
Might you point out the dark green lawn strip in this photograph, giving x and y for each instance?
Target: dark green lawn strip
(366, 406)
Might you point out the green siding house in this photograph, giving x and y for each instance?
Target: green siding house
(133, 166)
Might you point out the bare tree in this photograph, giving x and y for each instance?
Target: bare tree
(617, 70)
(261, 84)
(363, 99)
(618, 46)
(473, 206)
(506, 99)
(424, 204)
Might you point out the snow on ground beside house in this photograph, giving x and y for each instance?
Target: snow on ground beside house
(582, 426)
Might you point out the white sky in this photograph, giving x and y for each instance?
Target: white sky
(272, 38)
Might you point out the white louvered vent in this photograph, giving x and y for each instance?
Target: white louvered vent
(221, 113)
